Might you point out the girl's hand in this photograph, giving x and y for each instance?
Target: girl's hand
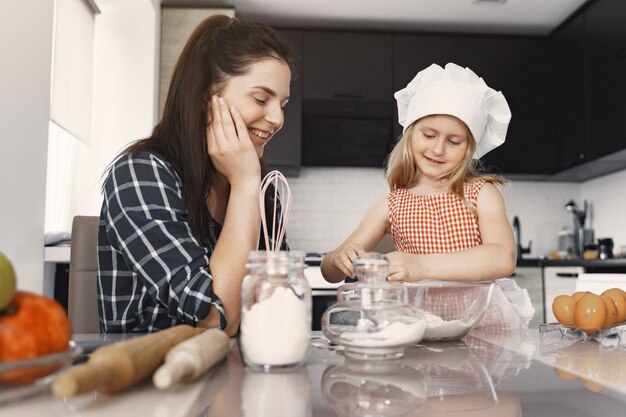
(343, 257)
(404, 267)
(229, 144)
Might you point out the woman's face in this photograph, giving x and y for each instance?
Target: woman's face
(260, 95)
(439, 144)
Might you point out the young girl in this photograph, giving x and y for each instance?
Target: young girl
(181, 208)
(447, 221)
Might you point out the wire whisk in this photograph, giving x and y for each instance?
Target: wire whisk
(280, 218)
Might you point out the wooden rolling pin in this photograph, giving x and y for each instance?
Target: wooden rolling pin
(113, 368)
(189, 359)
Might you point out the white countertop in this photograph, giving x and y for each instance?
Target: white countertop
(60, 254)
(313, 274)
(519, 365)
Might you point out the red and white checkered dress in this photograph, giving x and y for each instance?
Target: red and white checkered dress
(439, 223)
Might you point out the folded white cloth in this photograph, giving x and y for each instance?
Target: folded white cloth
(57, 238)
(510, 306)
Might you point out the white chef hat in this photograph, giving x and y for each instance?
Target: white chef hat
(458, 92)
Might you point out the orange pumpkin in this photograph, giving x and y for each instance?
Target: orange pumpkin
(32, 325)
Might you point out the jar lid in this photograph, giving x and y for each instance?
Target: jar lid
(371, 267)
(372, 294)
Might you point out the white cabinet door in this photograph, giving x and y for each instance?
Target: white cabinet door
(559, 280)
(529, 277)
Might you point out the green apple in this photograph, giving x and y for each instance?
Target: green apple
(7, 281)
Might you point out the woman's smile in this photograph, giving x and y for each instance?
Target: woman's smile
(263, 135)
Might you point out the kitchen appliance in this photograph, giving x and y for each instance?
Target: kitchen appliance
(605, 248)
(581, 235)
(566, 242)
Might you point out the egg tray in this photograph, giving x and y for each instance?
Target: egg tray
(570, 332)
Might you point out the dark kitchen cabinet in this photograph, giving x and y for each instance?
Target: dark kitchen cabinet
(413, 53)
(567, 93)
(347, 98)
(605, 33)
(571, 93)
(522, 69)
(347, 65)
(284, 150)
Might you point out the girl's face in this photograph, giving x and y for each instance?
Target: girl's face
(260, 95)
(439, 144)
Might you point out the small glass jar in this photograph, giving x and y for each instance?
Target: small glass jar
(372, 318)
(371, 267)
(275, 311)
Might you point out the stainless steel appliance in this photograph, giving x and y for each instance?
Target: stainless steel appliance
(605, 248)
(582, 236)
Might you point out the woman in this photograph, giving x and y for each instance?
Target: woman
(181, 208)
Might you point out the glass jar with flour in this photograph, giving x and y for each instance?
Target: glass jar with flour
(372, 319)
(275, 311)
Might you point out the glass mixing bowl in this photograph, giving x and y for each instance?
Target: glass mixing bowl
(451, 309)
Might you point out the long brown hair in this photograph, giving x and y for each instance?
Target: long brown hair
(402, 171)
(219, 48)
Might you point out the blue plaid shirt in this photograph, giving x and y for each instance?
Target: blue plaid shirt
(153, 272)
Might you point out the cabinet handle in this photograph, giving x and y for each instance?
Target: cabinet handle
(316, 293)
(567, 274)
(621, 55)
(348, 95)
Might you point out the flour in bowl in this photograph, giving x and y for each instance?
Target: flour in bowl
(438, 328)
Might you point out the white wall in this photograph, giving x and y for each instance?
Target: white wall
(328, 203)
(26, 50)
(124, 97)
(608, 199)
(124, 108)
(540, 207)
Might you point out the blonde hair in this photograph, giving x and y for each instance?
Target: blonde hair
(403, 173)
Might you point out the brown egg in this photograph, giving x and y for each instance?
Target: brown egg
(611, 311)
(620, 303)
(578, 295)
(590, 313)
(563, 309)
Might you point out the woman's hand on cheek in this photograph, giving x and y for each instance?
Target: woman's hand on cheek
(229, 144)
(403, 267)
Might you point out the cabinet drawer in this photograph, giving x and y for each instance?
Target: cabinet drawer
(557, 281)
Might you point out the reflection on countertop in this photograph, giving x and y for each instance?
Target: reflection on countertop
(489, 373)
